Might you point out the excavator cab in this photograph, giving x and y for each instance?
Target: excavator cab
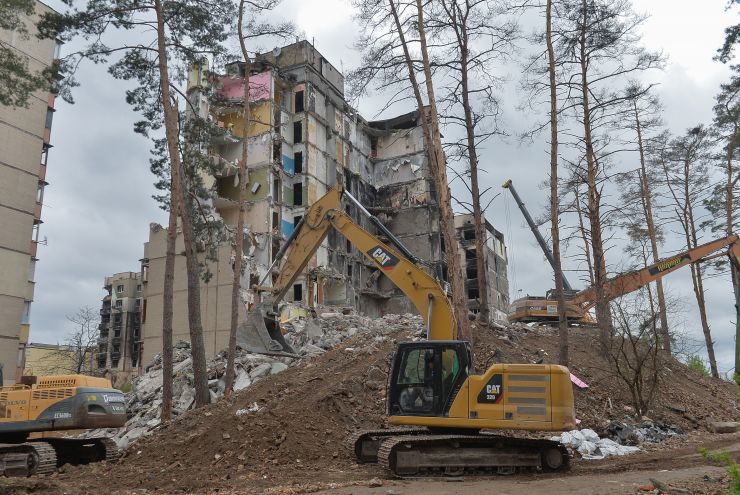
(426, 377)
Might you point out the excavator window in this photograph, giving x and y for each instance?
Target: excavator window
(425, 378)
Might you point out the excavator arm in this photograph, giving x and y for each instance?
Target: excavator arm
(395, 262)
(628, 282)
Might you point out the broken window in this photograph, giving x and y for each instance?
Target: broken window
(276, 189)
(119, 288)
(275, 219)
(472, 292)
(349, 247)
(298, 162)
(299, 101)
(297, 194)
(143, 312)
(349, 271)
(119, 304)
(297, 220)
(469, 234)
(298, 132)
(470, 254)
(298, 292)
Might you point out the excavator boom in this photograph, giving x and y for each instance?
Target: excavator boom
(394, 261)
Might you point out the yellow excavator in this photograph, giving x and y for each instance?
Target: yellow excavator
(578, 303)
(38, 405)
(431, 389)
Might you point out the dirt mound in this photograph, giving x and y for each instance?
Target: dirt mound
(290, 429)
(684, 399)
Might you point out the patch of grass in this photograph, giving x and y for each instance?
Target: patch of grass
(697, 364)
(126, 387)
(733, 469)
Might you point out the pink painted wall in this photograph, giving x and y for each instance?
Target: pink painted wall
(260, 87)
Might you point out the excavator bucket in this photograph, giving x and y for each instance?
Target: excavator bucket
(260, 333)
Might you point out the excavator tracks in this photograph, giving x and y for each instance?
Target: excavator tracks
(456, 455)
(26, 459)
(84, 451)
(365, 444)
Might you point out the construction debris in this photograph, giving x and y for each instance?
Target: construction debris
(309, 336)
(590, 446)
(646, 431)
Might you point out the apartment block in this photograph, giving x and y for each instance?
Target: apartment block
(495, 259)
(25, 142)
(303, 138)
(118, 354)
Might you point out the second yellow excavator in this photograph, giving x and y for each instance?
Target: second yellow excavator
(579, 303)
(432, 390)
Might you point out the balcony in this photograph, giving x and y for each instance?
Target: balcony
(34, 249)
(105, 311)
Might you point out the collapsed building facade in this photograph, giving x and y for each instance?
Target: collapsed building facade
(303, 138)
(495, 261)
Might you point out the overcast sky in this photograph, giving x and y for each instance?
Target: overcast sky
(98, 206)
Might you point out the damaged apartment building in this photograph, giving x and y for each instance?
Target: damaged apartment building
(303, 138)
(119, 341)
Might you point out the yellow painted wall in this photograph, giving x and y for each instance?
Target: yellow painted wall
(50, 360)
(260, 120)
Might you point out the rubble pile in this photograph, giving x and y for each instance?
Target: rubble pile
(311, 336)
(645, 431)
(588, 443)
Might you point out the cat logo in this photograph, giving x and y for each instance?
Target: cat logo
(492, 392)
(383, 258)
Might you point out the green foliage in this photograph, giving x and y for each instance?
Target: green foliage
(697, 364)
(18, 80)
(733, 469)
(736, 377)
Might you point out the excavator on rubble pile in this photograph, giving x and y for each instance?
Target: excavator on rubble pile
(540, 309)
(53, 404)
(431, 391)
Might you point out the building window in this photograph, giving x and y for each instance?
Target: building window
(298, 292)
(138, 288)
(297, 220)
(298, 162)
(40, 192)
(119, 288)
(298, 132)
(137, 303)
(31, 270)
(49, 117)
(297, 194)
(299, 101)
(26, 316)
(119, 303)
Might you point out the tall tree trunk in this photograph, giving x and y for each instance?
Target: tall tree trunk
(647, 204)
(584, 235)
(603, 312)
(734, 269)
(167, 295)
(554, 208)
(202, 394)
(432, 143)
(696, 273)
(444, 197)
(239, 249)
(480, 229)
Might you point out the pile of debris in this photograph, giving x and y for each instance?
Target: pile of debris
(588, 443)
(311, 336)
(646, 431)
